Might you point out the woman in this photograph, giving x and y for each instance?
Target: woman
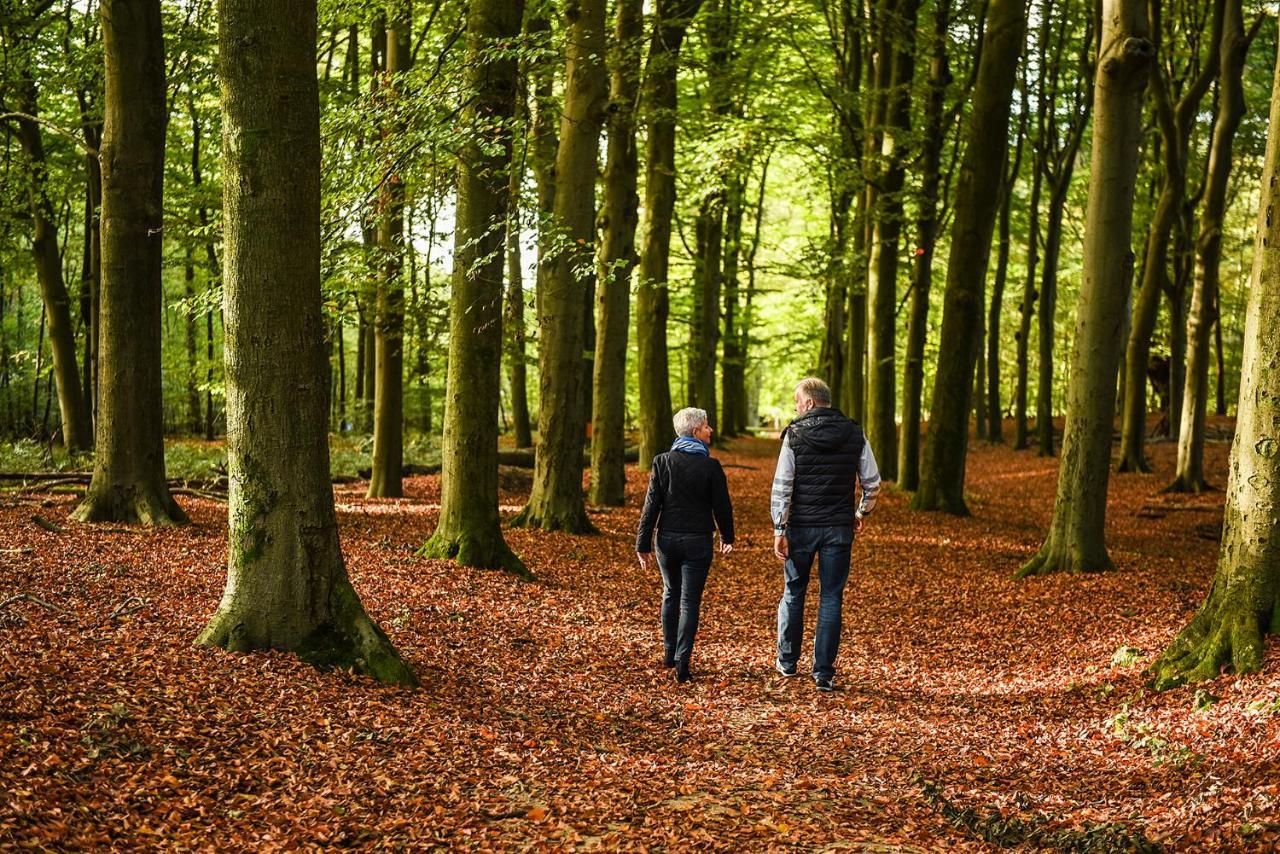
(688, 499)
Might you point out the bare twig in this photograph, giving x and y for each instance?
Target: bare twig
(27, 597)
(46, 524)
(130, 605)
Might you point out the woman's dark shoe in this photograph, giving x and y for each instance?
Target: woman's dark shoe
(682, 671)
(668, 661)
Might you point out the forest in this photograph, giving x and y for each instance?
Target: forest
(343, 341)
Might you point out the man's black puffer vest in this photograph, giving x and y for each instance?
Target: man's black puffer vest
(828, 447)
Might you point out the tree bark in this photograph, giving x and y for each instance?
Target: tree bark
(1175, 123)
(977, 199)
(1076, 538)
(1244, 601)
(77, 432)
(129, 483)
(1189, 474)
(556, 501)
(517, 370)
(388, 412)
(618, 219)
(926, 238)
(704, 326)
(898, 21)
(287, 585)
(469, 528)
(733, 371)
(658, 108)
(994, 413)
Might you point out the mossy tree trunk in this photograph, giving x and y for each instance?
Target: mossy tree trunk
(287, 587)
(1076, 539)
(556, 501)
(898, 22)
(388, 399)
(1189, 474)
(619, 216)
(128, 469)
(469, 528)
(932, 141)
(977, 200)
(1244, 602)
(77, 428)
(658, 109)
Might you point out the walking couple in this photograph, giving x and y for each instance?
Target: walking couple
(824, 456)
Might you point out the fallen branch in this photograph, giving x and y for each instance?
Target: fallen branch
(27, 597)
(130, 605)
(25, 550)
(46, 524)
(198, 493)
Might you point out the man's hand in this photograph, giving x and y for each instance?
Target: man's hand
(859, 522)
(780, 547)
(725, 548)
(645, 558)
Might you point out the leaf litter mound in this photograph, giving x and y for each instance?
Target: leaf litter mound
(974, 712)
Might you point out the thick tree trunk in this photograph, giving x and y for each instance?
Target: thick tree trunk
(618, 219)
(129, 483)
(926, 238)
(882, 261)
(388, 412)
(658, 107)
(77, 432)
(556, 501)
(1076, 541)
(1244, 602)
(287, 586)
(469, 528)
(1189, 475)
(977, 199)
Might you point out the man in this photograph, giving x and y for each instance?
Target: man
(824, 456)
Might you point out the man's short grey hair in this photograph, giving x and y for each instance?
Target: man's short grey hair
(815, 389)
(689, 419)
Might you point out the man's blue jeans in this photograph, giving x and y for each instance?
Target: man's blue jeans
(831, 546)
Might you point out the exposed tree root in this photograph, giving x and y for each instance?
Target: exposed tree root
(483, 551)
(1193, 486)
(1136, 464)
(349, 640)
(1222, 632)
(134, 504)
(569, 520)
(1054, 557)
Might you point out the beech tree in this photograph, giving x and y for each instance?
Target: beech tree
(469, 528)
(1243, 603)
(1076, 538)
(128, 468)
(977, 200)
(556, 501)
(287, 586)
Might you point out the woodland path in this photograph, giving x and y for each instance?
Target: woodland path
(545, 717)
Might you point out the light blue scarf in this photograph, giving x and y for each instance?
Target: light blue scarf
(690, 445)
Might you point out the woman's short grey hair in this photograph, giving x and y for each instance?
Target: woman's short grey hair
(689, 419)
(815, 389)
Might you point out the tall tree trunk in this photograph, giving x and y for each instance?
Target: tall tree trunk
(926, 238)
(995, 410)
(733, 383)
(469, 528)
(91, 277)
(366, 387)
(618, 219)
(658, 108)
(517, 370)
(1175, 123)
(556, 501)
(1189, 475)
(1027, 311)
(1047, 317)
(287, 585)
(1076, 541)
(704, 326)
(898, 20)
(977, 199)
(388, 413)
(189, 328)
(1243, 603)
(77, 432)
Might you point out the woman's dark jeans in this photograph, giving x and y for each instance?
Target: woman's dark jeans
(684, 560)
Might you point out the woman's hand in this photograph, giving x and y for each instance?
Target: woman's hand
(645, 558)
(725, 548)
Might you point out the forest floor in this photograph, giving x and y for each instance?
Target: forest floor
(974, 711)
